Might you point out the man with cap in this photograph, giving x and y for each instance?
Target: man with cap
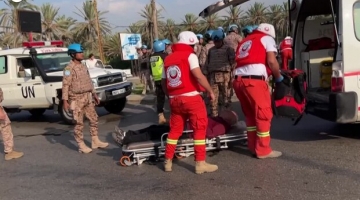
(145, 70)
(157, 67)
(198, 47)
(256, 61)
(221, 60)
(182, 82)
(286, 52)
(204, 52)
(233, 38)
(167, 46)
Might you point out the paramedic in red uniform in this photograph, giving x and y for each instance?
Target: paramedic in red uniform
(182, 81)
(286, 52)
(256, 61)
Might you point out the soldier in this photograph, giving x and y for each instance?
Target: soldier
(168, 49)
(233, 38)
(78, 94)
(7, 135)
(145, 70)
(221, 61)
(198, 47)
(204, 52)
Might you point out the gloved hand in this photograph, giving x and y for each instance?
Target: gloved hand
(278, 80)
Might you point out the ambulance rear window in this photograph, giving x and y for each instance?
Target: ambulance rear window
(356, 16)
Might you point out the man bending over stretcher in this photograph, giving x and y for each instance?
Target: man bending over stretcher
(216, 126)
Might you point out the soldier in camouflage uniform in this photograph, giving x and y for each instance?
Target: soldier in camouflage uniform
(7, 135)
(78, 94)
(145, 70)
(168, 49)
(221, 60)
(199, 46)
(233, 38)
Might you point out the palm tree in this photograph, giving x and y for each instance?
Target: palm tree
(66, 24)
(170, 30)
(234, 16)
(85, 31)
(112, 45)
(257, 14)
(210, 22)
(190, 22)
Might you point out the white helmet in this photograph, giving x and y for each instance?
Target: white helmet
(287, 37)
(187, 37)
(268, 29)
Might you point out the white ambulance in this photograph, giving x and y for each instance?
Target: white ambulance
(31, 79)
(326, 45)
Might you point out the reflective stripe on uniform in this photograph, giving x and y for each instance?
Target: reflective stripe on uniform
(199, 142)
(263, 134)
(251, 128)
(170, 141)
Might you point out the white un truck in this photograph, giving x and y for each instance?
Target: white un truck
(31, 79)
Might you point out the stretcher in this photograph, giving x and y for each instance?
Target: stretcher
(137, 153)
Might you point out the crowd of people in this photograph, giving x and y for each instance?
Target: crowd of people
(183, 72)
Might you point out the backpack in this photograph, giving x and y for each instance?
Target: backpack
(289, 96)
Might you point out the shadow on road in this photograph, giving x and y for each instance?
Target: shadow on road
(63, 137)
(115, 153)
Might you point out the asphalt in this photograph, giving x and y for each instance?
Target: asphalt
(320, 161)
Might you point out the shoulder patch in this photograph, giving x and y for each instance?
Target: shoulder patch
(67, 72)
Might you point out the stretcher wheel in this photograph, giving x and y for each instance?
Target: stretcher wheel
(125, 161)
(177, 155)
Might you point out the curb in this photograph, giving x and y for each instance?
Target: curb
(141, 99)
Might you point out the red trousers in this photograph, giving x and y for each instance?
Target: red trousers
(286, 55)
(255, 100)
(183, 108)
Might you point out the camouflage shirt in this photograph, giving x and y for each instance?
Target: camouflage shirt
(232, 40)
(144, 61)
(1, 95)
(76, 80)
(204, 54)
(220, 59)
(198, 49)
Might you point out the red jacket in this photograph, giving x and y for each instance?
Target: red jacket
(285, 44)
(252, 51)
(179, 79)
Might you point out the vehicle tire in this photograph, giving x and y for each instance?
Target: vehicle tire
(37, 112)
(66, 116)
(115, 107)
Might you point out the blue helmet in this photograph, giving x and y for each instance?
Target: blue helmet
(208, 34)
(247, 30)
(220, 28)
(217, 35)
(159, 46)
(232, 27)
(255, 27)
(75, 48)
(166, 41)
(199, 36)
(143, 47)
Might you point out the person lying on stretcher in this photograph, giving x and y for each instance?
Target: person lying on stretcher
(216, 126)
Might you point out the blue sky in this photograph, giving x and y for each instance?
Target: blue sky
(125, 12)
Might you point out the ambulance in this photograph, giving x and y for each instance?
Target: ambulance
(326, 45)
(31, 79)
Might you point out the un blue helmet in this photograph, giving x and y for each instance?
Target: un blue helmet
(232, 27)
(255, 27)
(218, 35)
(159, 46)
(143, 47)
(199, 36)
(75, 48)
(247, 30)
(208, 35)
(166, 41)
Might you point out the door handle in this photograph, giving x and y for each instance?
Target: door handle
(18, 84)
(37, 84)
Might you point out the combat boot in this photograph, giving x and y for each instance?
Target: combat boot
(162, 119)
(13, 155)
(204, 167)
(168, 165)
(273, 154)
(96, 143)
(83, 148)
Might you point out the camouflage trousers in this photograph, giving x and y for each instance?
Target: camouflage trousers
(220, 83)
(80, 106)
(146, 80)
(7, 135)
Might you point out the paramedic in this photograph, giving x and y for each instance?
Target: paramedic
(221, 60)
(198, 47)
(252, 90)
(233, 38)
(182, 81)
(167, 46)
(157, 66)
(216, 126)
(286, 52)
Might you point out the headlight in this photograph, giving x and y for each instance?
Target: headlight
(124, 76)
(94, 82)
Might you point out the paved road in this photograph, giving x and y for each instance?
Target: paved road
(321, 161)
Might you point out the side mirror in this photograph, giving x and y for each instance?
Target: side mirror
(29, 73)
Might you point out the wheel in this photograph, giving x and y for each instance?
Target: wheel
(37, 112)
(66, 116)
(125, 161)
(115, 107)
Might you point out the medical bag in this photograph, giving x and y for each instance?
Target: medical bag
(289, 96)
